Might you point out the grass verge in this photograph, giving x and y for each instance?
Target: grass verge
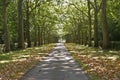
(99, 64)
(14, 64)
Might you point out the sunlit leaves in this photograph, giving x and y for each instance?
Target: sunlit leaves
(22, 61)
(101, 65)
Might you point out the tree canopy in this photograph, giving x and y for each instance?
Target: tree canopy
(36, 22)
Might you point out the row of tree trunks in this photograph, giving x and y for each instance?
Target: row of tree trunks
(86, 37)
(104, 23)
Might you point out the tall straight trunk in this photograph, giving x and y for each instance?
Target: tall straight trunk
(28, 24)
(95, 30)
(95, 24)
(41, 38)
(20, 26)
(74, 36)
(43, 33)
(5, 27)
(35, 31)
(39, 41)
(86, 39)
(82, 38)
(36, 36)
(104, 25)
(89, 18)
(79, 34)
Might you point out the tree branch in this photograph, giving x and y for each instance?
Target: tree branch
(79, 9)
(99, 7)
(92, 5)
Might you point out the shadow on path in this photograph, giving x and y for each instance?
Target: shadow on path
(58, 65)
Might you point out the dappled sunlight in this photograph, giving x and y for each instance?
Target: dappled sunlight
(20, 62)
(111, 51)
(4, 61)
(105, 64)
(37, 48)
(93, 51)
(58, 65)
(113, 57)
(24, 56)
(73, 51)
(100, 51)
(42, 53)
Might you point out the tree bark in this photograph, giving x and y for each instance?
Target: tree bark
(35, 30)
(36, 37)
(104, 25)
(20, 26)
(79, 34)
(95, 30)
(39, 41)
(89, 18)
(28, 24)
(82, 38)
(95, 24)
(5, 27)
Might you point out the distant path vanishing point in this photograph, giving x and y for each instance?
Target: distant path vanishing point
(58, 65)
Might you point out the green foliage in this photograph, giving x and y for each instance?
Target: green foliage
(56, 18)
(13, 21)
(114, 20)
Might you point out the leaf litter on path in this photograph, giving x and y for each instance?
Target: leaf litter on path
(105, 65)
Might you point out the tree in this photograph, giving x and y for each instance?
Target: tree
(90, 23)
(28, 36)
(5, 27)
(104, 25)
(96, 8)
(20, 26)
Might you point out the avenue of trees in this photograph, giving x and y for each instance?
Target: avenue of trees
(93, 22)
(37, 22)
(30, 21)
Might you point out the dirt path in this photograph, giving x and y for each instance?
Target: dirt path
(59, 65)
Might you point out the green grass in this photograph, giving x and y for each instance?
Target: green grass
(19, 54)
(90, 53)
(5, 57)
(20, 61)
(2, 66)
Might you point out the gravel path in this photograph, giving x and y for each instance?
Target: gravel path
(59, 65)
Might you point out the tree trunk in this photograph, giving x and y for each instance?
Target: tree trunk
(89, 18)
(5, 27)
(79, 34)
(82, 38)
(35, 31)
(95, 30)
(86, 39)
(104, 25)
(95, 25)
(39, 41)
(28, 24)
(36, 36)
(20, 26)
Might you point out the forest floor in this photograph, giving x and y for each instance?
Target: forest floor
(16, 63)
(99, 64)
